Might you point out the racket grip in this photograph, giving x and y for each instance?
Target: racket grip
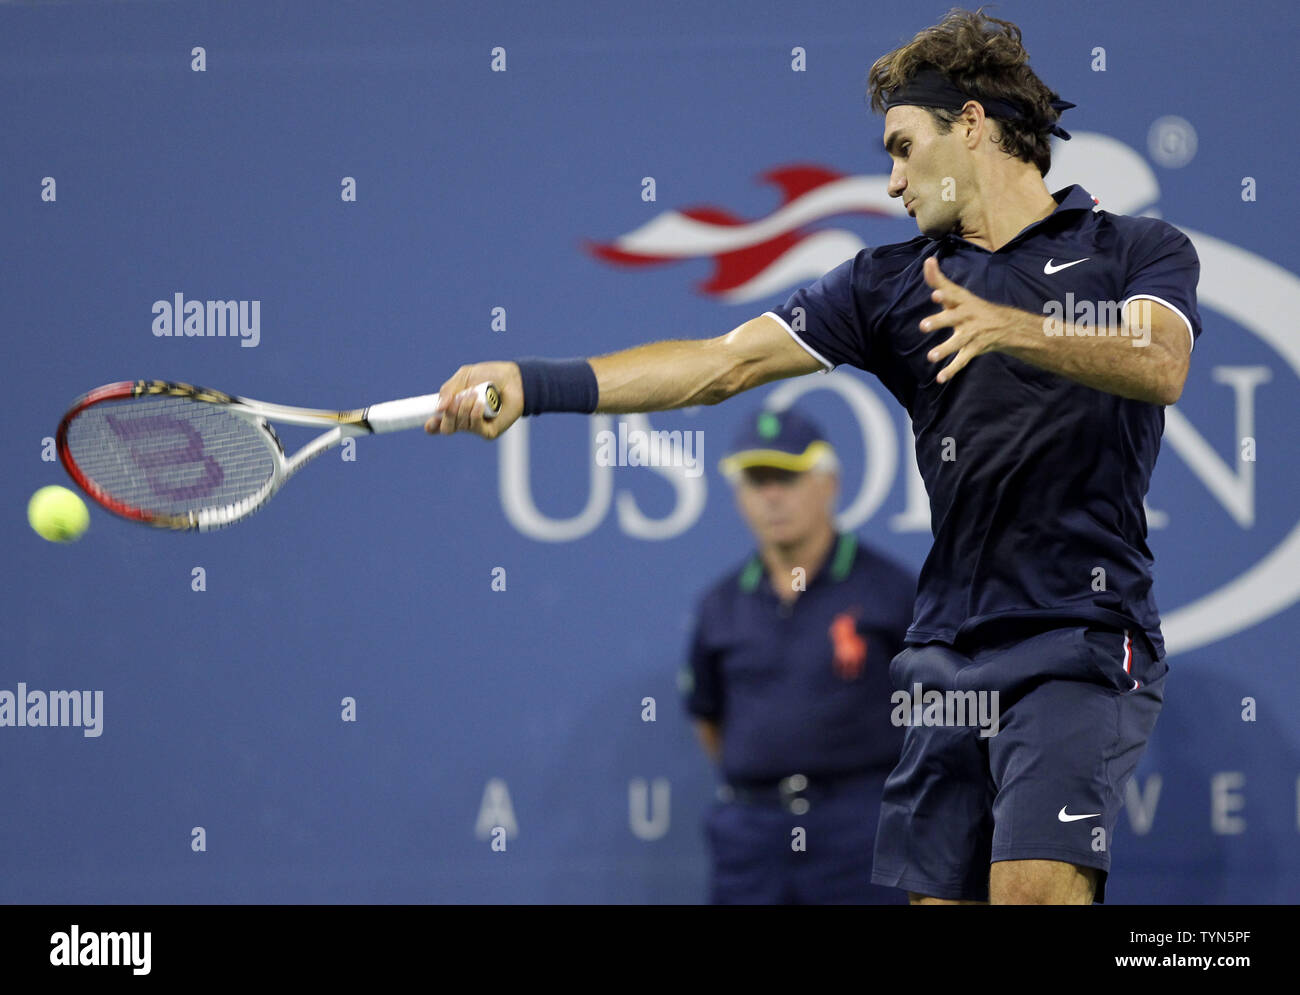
(413, 412)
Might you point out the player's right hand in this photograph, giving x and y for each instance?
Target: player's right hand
(459, 410)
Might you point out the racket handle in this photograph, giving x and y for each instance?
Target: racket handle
(413, 412)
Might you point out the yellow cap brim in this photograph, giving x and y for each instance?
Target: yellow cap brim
(797, 462)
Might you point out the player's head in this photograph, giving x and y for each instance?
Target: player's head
(786, 477)
(962, 110)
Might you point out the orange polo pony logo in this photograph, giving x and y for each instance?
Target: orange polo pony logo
(850, 648)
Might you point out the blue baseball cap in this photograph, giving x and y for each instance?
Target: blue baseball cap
(785, 440)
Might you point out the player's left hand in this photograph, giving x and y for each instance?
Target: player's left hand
(977, 325)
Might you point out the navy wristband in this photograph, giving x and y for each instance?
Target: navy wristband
(558, 385)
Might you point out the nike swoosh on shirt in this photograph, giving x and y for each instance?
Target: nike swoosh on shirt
(1074, 818)
(1049, 269)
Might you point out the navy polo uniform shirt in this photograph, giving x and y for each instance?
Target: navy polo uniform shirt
(802, 688)
(1035, 481)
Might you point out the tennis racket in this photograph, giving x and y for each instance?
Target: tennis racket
(181, 457)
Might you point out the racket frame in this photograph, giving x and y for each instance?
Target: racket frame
(388, 416)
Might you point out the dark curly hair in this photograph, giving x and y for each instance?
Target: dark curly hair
(983, 55)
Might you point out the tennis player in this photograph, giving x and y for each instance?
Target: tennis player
(1036, 432)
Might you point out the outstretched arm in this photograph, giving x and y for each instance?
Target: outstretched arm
(658, 376)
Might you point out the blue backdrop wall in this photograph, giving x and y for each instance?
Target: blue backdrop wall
(406, 187)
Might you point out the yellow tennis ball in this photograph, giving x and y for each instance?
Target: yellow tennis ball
(58, 514)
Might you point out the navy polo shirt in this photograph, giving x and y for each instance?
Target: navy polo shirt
(802, 688)
(1036, 482)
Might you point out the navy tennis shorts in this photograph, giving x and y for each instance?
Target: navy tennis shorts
(1076, 706)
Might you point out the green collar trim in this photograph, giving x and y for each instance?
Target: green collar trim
(752, 574)
(842, 562)
(844, 554)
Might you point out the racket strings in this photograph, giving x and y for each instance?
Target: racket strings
(172, 455)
